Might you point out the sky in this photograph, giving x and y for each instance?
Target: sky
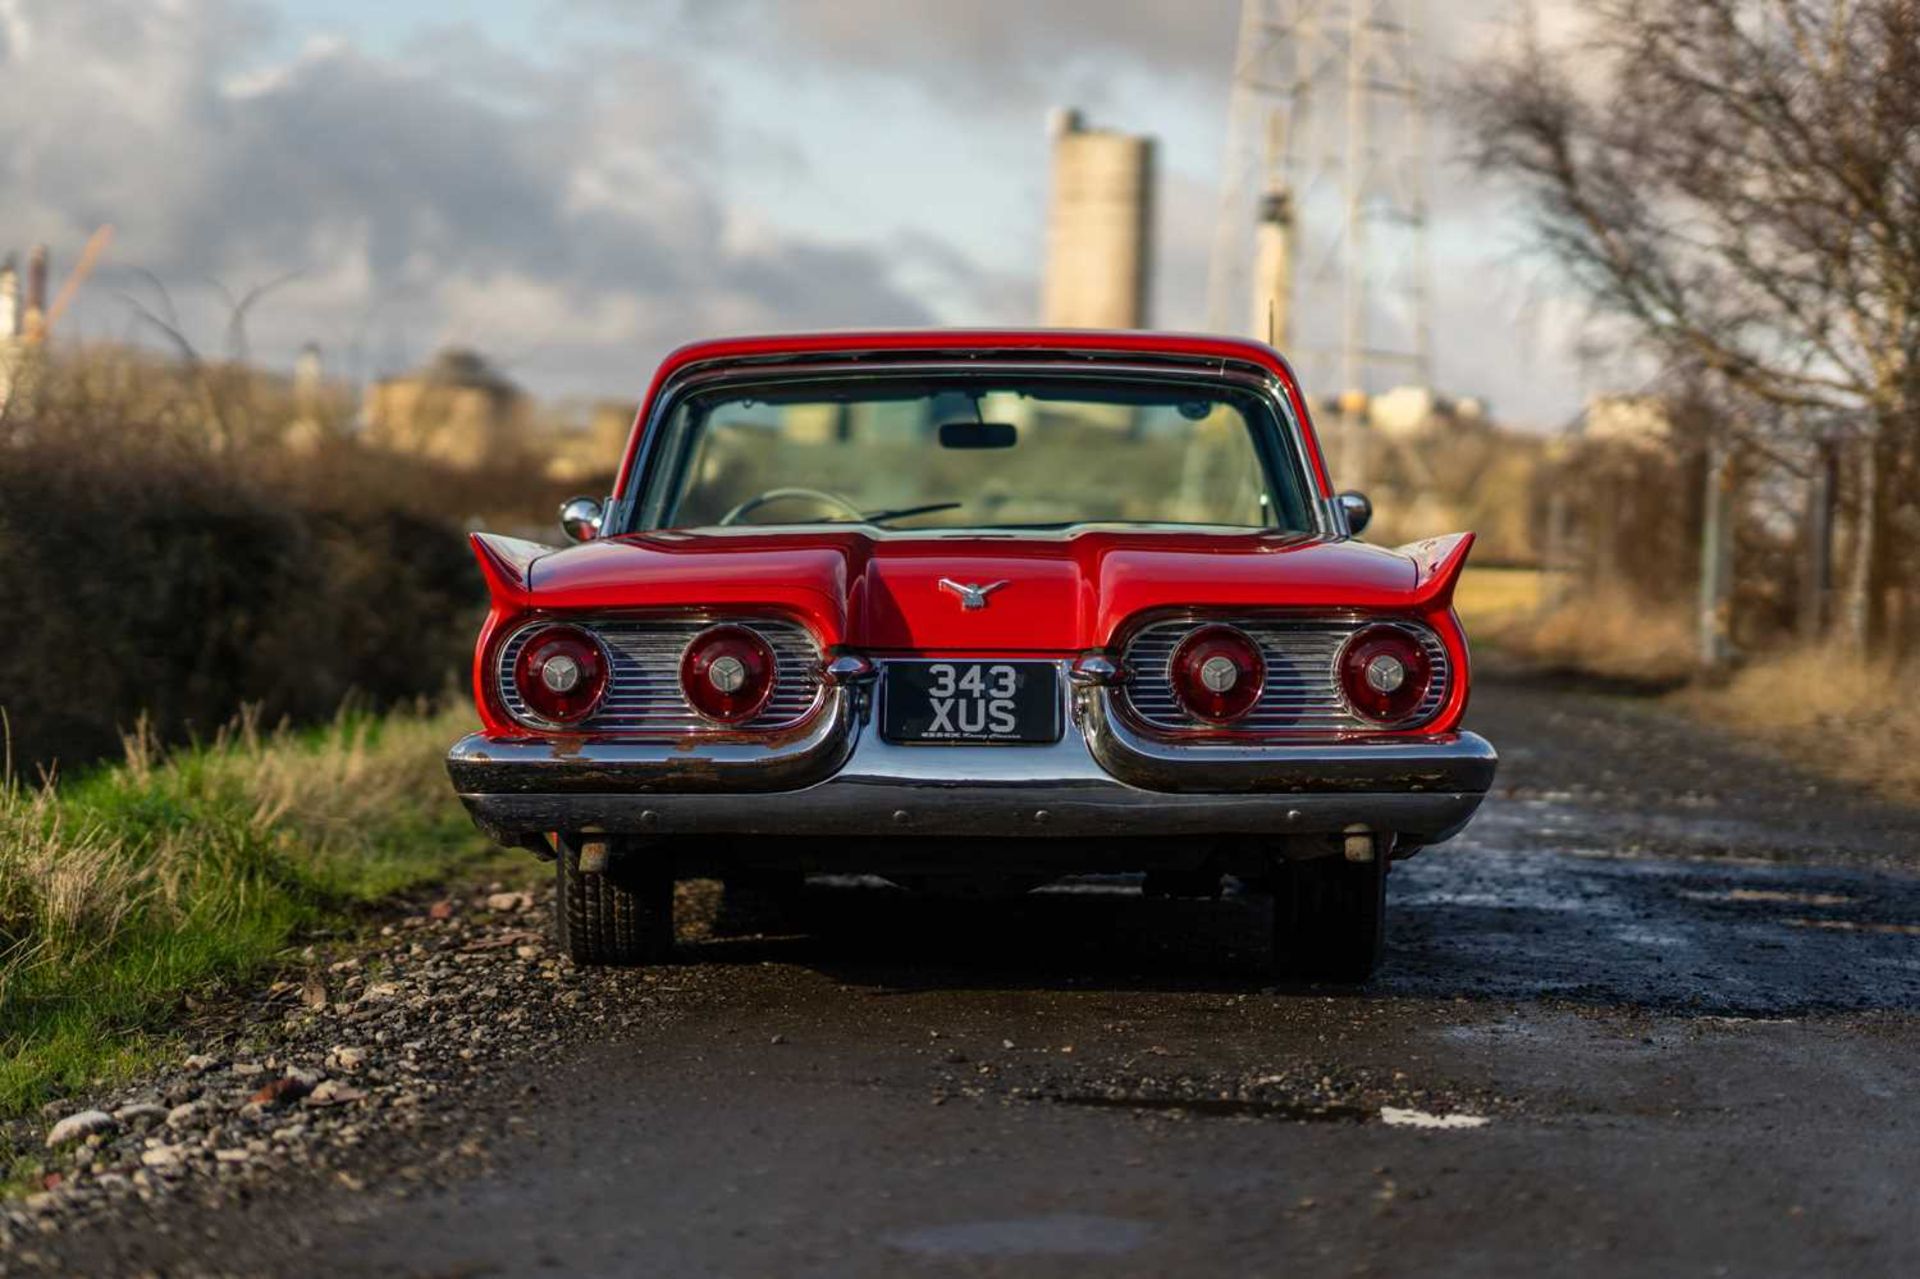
(576, 186)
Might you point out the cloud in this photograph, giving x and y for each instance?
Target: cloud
(1165, 65)
(576, 209)
(990, 54)
(565, 215)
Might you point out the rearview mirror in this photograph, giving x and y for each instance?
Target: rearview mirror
(580, 518)
(1358, 510)
(978, 435)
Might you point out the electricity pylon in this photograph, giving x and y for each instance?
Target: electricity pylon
(1321, 237)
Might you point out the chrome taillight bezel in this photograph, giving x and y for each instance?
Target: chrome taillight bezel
(644, 700)
(1349, 673)
(1302, 699)
(742, 643)
(1221, 644)
(598, 675)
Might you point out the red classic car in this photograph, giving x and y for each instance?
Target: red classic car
(950, 606)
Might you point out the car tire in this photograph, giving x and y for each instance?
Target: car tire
(1329, 918)
(618, 917)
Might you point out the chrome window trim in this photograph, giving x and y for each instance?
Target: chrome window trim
(630, 517)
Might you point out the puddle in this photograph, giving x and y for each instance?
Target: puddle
(1857, 926)
(1229, 1108)
(1290, 1111)
(1395, 1117)
(1769, 896)
(1064, 1234)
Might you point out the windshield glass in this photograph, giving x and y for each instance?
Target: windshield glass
(974, 452)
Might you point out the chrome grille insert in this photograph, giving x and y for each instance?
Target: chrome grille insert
(643, 685)
(1302, 693)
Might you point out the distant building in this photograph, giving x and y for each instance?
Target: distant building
(1410, 412)
(1642, 421)
(457, 411)
(9, 300)
(588, 450)
(33, 320)
(1405, 410)
(1273, 247)
(314, 408)
(1099, 228)
(9, 327)
(22, 321)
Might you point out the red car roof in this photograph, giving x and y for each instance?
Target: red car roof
(1104, 340)
(1115, 341)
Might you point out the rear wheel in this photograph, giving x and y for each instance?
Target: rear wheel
(621, 916)
(1329, 917)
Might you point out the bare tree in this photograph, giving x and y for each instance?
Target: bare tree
(1740, 181)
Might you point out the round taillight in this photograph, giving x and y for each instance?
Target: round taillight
(1218, 673)
(1385, 673)
(727, 674)
(561, 673)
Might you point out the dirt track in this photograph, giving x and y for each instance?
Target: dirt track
(1678, 982)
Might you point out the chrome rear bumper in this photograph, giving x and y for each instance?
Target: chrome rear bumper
(840, 779)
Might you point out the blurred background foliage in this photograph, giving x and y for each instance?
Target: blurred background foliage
(171, 552)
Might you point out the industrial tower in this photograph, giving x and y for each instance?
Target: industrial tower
(1321, 244)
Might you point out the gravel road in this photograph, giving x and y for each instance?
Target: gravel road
(1658, 1011)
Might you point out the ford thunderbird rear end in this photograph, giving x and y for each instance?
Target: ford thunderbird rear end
(964, 607)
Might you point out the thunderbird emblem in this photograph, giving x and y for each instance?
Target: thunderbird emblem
(971, 597)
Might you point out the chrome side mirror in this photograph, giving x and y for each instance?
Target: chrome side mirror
(1357, 509)
(580, 518)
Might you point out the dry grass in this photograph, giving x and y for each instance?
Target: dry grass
(1605, 632)
(138, 884)
(1491, 599)
(1865, 715)
(65, 885)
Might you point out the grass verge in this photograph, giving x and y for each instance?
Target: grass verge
(1838, 713)
(126, 891)
(1600, 631)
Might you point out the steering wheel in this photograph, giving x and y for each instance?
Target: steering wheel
(759, 500)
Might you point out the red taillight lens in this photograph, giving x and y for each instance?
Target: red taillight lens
(727, 674)
(1385, 673)
(561, 672)
(1218, 673)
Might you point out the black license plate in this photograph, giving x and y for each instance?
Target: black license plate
(971, 702)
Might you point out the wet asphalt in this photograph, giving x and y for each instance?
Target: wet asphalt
(1665, 992)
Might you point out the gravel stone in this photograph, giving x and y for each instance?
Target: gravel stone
(81, 1125)
(184, 1114)
(136, 1112)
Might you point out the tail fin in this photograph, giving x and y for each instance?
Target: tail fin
(1437, 563)
(506, 563)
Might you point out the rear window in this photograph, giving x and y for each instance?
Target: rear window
(979, 451)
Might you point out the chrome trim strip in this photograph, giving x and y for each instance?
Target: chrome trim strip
(1449, 762)
(842, 778)
(864, 809)
(711, 762)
